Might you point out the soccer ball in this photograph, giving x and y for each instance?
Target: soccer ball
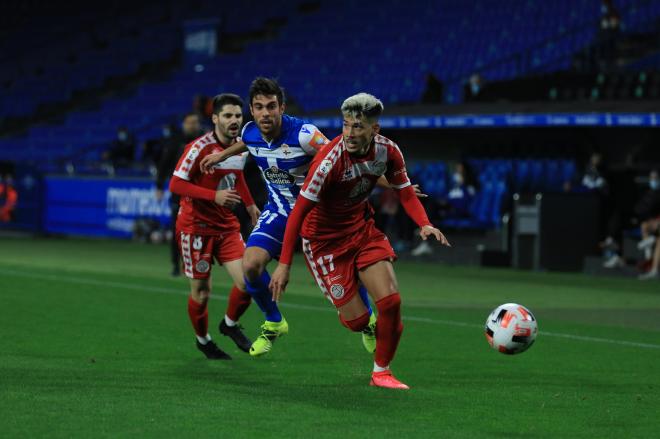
(511, 329)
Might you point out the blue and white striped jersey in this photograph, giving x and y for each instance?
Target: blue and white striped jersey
(284, 162)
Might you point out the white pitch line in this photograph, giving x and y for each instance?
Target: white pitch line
(184, 292)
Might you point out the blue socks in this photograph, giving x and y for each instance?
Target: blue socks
(263, 297)
(365, 298)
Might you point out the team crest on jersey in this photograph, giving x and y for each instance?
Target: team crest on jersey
(202, 267)
(363, 186)
(278, 176)
(325, 166)
(337, 291)
(286, 150)
(197, 243)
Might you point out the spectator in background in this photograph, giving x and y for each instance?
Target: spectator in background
(434, 93)
(122, 152)
(473, 88)
(459, 200)
(152, 149)
(609, 29)
(191, 128)
(8, 198)
(461, 193)
(203, 106)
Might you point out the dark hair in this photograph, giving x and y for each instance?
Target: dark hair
(226, 99)
(266, 87)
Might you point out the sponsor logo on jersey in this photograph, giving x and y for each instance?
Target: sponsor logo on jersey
(325, 166)
(379, 168)
(227, 182)
(278, 176)
(337, 291)
(361, 188)
(202, 267)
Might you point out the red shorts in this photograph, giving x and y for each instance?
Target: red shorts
(199, 251)
(335, 263)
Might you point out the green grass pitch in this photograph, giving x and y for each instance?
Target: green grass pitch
(96, 343)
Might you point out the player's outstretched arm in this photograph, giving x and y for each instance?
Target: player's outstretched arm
(207, 163)
(244, 191)
(224, 197)
(280, 277)
(416, 212)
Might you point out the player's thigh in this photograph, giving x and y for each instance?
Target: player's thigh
(332, 263)
(352, 309)
(235, 270)
(197, 254)
(267, 235)
(379, 279)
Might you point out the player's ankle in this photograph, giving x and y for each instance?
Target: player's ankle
(229, 322)
(378, 368)
(203, 340)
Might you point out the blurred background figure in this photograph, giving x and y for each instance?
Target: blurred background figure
(174, 144)
(8, 197)
(122, 151)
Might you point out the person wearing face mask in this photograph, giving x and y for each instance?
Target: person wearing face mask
(176, 142)
(122, 151)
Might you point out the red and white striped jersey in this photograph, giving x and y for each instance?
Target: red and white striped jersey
(205, 217)
(341, 184)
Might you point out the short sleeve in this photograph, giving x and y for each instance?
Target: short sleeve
(311, 139)
(187, 167)
(396, 173)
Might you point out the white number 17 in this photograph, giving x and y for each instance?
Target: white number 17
(331, 265)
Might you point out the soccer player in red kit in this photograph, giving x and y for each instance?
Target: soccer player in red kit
(341, 244)
(208, 230)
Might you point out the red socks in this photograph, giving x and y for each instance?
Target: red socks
(199, 317)
(357, 324)
(237, 304)
(388, 328)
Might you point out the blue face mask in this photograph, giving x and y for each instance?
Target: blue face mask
(166, 132)
(122, 136)
(654, 184)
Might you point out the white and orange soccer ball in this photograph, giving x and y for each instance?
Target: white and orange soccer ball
(511, 328)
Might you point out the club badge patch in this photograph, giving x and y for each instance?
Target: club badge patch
(202, 267)
(337, 291)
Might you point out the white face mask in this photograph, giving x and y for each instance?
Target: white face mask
(654, 184)
(122, 136)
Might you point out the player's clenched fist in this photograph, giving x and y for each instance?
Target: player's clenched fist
(227, 198)
(279, 280)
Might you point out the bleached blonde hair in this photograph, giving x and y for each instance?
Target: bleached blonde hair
(362, 105)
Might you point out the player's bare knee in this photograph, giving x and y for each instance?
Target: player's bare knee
(358, 324)
(252, 267)
(201, 293)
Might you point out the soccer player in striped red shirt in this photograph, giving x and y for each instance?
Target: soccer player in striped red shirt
(207, 230)
(341, 244)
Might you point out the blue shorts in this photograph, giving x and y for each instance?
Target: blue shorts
(269, 232)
